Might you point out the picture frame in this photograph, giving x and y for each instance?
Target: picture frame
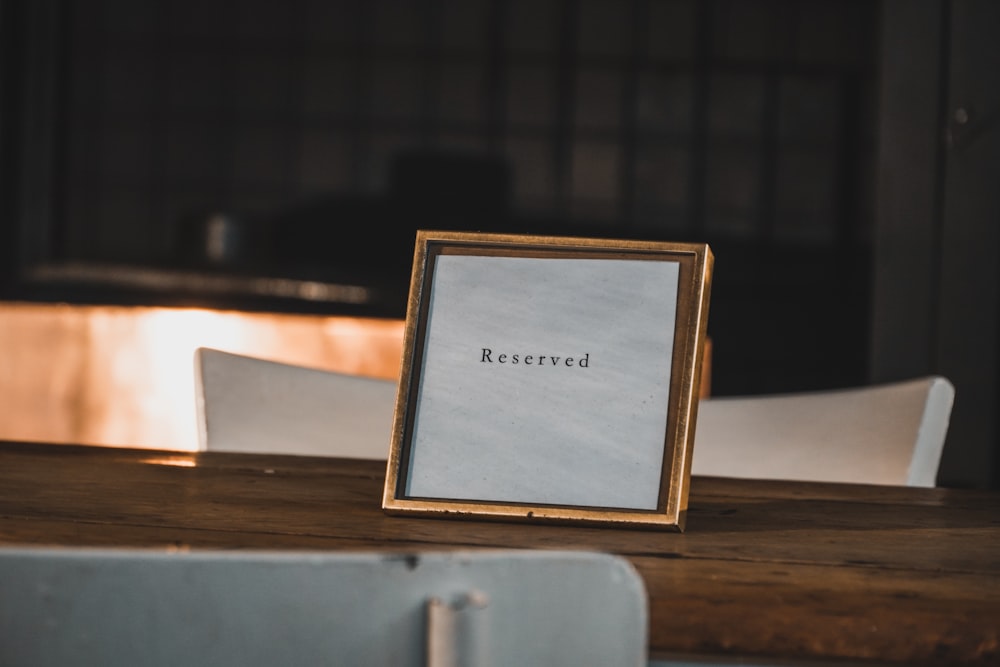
(549, 379)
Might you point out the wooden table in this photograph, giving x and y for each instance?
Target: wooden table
(766, 570)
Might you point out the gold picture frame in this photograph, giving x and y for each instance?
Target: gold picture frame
(549, 379)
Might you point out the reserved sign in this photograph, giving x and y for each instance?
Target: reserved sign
(549, 378)
(514, 359)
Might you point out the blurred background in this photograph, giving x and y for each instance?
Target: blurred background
(267, 164)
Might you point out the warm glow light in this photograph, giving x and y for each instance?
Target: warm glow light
(156, 370)
(124, 376)
(176, 461)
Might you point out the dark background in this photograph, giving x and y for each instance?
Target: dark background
(840, 157)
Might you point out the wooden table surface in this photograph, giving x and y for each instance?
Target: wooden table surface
(776, 570)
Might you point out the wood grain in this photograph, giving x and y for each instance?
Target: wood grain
(776, 570)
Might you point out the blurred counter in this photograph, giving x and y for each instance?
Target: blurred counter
(124, 375)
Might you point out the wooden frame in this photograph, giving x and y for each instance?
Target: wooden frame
(549, 379)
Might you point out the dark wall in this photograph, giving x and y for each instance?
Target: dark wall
(326, 132)
(936, 290)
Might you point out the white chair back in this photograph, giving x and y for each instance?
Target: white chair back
(879, 434)
(254, 405)
(890, 433)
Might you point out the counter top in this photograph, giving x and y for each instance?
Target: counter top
(765, 570)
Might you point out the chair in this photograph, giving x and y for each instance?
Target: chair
(889, 433)
(246, 404)
(252, 405)
(879, 434)
(125, 607)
